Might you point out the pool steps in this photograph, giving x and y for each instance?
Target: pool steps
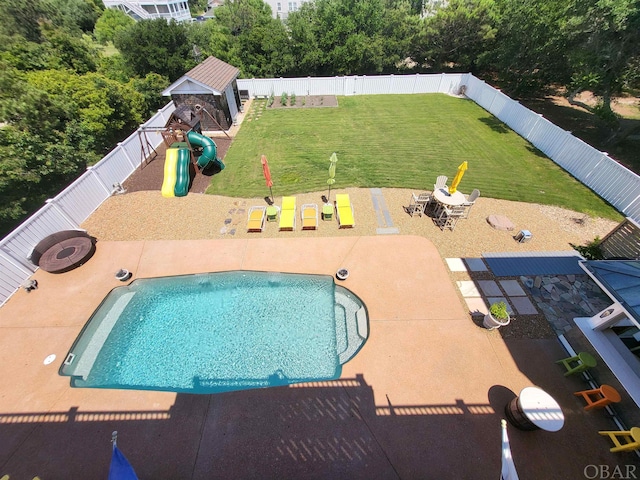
(355, 321)
(90, 351)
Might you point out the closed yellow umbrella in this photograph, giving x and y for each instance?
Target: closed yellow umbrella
(332, 172)
(456, 181)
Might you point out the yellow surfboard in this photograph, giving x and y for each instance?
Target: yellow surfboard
(170, 173)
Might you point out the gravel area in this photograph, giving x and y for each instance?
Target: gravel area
(146, 215)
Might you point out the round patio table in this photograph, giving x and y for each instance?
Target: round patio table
(443, 196)
(535, 409)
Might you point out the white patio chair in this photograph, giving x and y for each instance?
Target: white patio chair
(470, 202)
(441, 182)
(449, 217)
(419, 203)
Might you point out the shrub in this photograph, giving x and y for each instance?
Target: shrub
(270, 100)
(590, 251)
(293, 99)
(283, 99)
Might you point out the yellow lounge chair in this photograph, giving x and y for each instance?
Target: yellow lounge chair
(255, 222)
(344, 211)
(309, 214)
(288, 213)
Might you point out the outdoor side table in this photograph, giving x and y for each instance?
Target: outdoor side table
(523, 236)
(535, 409)
(327, 211)
(272, 213)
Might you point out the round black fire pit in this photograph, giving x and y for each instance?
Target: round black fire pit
(63, 251)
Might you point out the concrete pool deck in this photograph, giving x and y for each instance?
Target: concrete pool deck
(422, 399)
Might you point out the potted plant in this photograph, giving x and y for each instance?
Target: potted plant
(498, 316)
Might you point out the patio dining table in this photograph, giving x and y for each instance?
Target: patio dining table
(444, 199)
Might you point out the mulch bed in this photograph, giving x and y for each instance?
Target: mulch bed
(307, 101)
(150, 174)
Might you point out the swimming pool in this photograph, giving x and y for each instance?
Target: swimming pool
(217, 332)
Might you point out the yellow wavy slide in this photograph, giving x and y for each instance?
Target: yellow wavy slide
(170, 173)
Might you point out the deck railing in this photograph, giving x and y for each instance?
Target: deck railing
(613, 182)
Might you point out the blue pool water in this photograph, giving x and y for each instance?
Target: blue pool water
(218, 332)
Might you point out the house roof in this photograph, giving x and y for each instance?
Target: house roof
(621, 278)
(213, 74)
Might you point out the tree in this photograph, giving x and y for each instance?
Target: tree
(530, 50)
(151, 87)
(212, 38)
(240, 16)
(345, 36)
(457, 35)
(21, 18)
(155, 46)
(68, 51)
(25, 55)
(198, 5)
(103, 111)
(263, 50)
(110, 23)
(32, 170)
(400, 29)
(30, 109)
(76, 15)
(304, 40)
(604, 36)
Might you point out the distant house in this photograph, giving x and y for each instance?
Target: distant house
(210, 91)
(282, 8)
(177, 10)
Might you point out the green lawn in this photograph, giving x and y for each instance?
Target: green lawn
(396, 141)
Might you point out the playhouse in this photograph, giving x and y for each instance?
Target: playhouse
(210, 91)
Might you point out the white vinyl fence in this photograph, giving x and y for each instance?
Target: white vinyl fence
(355, 85)
(613, 182)
(74, 204)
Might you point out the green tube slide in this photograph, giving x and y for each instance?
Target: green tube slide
(181, 187)
(209, 150)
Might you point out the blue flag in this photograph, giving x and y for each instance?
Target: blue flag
(120, 468)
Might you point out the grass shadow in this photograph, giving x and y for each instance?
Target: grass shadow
(590, 129)
(494, 124)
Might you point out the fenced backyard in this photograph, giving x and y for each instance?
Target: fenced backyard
(611, 181)
(402, 141)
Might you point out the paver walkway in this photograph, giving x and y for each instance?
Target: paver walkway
(383, 217)
(559, 297)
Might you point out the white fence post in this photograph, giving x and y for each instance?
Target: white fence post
(93, 171)
(124, 150)
(13, 263)
(60, 210)
(493, 100)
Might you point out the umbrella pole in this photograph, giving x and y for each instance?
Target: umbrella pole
(271, 192)
(329, 195)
